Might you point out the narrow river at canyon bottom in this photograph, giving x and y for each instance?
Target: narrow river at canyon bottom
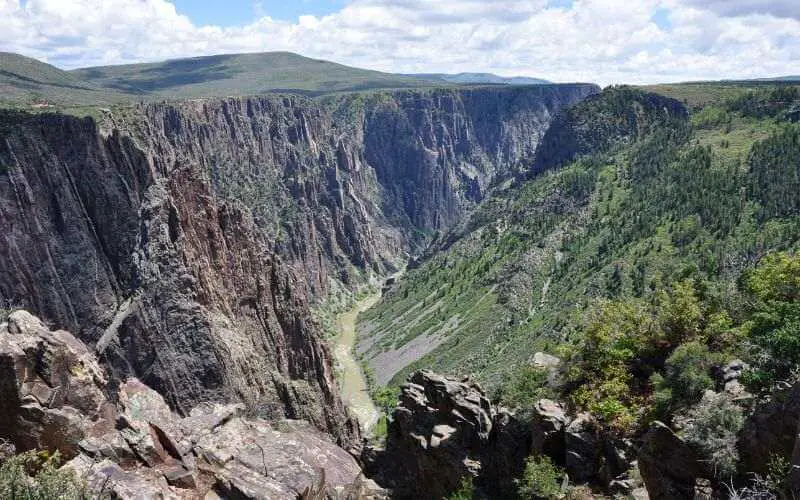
(352, 383)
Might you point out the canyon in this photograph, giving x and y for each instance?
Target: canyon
(185, 242)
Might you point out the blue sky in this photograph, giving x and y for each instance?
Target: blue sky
(236, 12)
(603, 41)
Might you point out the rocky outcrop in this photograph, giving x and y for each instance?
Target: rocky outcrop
(773, 429)
(588, 452)
(51, 388)
(549, 421)
(53, 399)
(443, 431)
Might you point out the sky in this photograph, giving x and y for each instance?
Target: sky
(602, 41)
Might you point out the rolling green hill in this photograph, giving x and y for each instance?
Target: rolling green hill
(240, 74)
(27, 82)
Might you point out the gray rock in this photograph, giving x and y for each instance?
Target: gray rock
(549, 422)
(140, 448)
(730, 378)
(669, 467)
(180, 477)
(772, 429)
(583, 448)
(545, 361)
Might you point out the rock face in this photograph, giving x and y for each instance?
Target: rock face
(53, 398)
(184, 241)
(169, 283)
(669, 467)
(586, 128)
(445, 430)
(772, 429)
(350, 183)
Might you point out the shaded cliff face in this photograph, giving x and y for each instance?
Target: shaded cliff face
(184, 241)
(167, 282)
(353, 183)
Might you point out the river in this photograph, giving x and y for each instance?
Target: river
(352, 384)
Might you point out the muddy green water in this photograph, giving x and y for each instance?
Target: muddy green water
(352, 384)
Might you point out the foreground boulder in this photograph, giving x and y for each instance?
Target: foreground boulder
(52, 397)
(51, 388)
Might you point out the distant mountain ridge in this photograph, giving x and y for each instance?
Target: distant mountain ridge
(27, 81)
(241, 74)
(788, 78)
(480, 78)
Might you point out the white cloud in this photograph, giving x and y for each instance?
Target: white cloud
(778, 8)
(607, 41)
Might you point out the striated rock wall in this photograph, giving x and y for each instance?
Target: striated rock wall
(168, 282)
(353, 183)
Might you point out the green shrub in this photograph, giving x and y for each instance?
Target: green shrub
(687, 372)
(680, 313)
(615, 334)
(712, 429)
(36, 476)
(464, 492)
(524, 387)
(774, 287)
(541, 479)
(385, 398)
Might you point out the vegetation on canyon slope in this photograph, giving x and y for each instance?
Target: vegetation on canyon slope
(663, 251)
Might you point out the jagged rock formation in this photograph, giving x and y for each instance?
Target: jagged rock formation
(445, 430)
(136, 232)
(52, 397)
(351, 183)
